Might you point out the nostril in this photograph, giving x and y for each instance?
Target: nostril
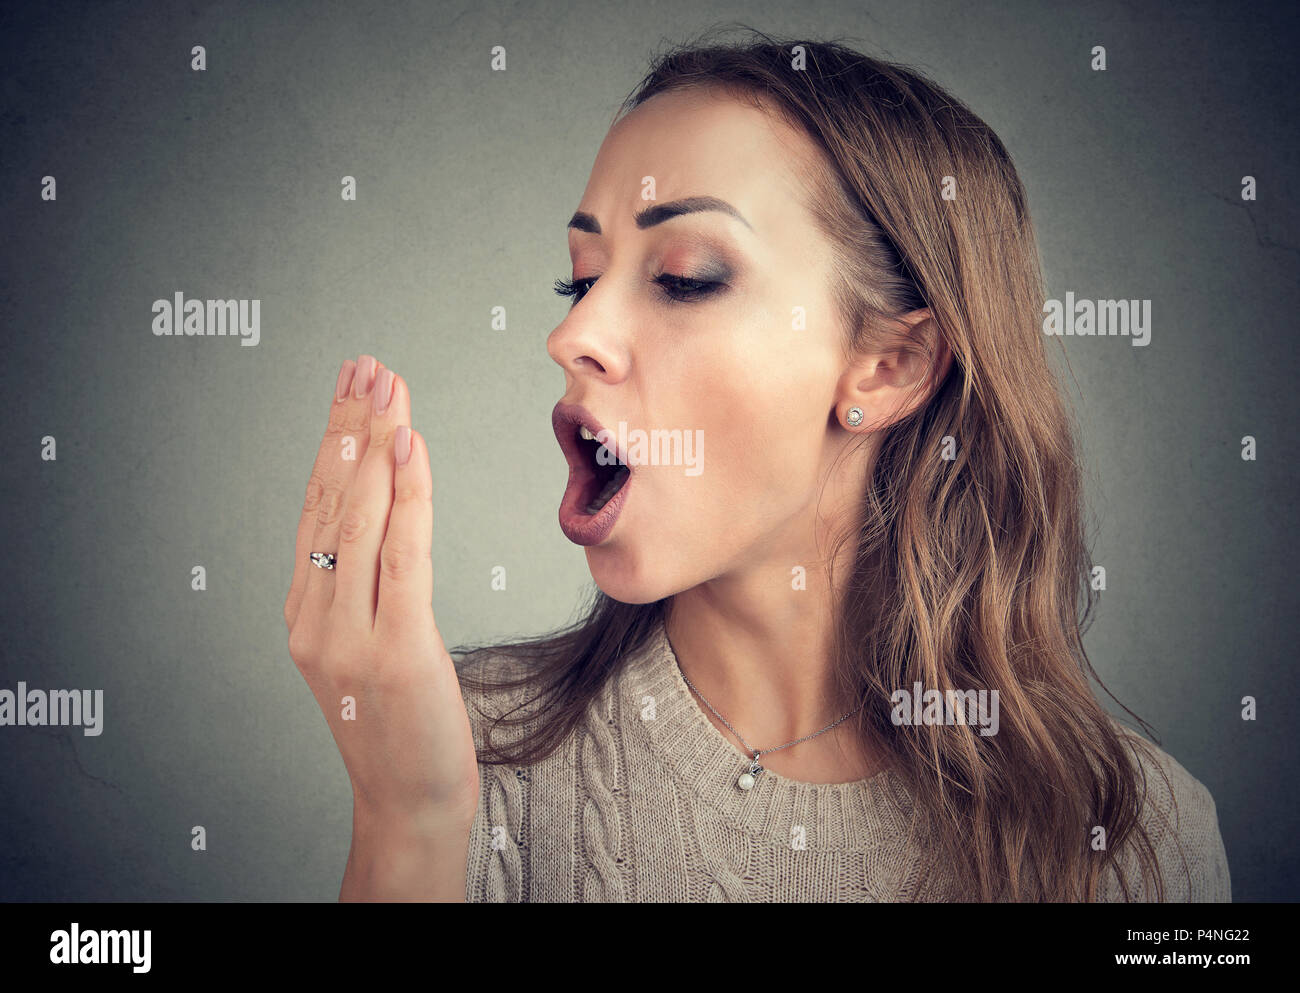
(587, 358)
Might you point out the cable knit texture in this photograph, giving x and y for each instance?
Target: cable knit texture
(641, 805)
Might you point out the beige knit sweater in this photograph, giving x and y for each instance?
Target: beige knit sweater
(641, 804)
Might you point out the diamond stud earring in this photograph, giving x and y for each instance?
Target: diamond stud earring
(854, 416)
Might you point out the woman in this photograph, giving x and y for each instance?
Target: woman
(836, 652)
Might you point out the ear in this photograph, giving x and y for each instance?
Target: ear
(897, 375)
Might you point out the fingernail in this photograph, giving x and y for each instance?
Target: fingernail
(345, 380)
(403, 442)
(383, 390)
(365, 376)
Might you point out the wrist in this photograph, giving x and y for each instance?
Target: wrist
(409, 825)
(411, 855)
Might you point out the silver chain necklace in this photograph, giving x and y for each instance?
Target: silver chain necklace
(750, 775)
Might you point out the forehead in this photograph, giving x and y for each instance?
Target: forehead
(702, 142)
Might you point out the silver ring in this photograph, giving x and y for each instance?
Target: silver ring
(323, 560)
(854, 417)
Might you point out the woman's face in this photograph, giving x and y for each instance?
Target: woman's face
(728, 365)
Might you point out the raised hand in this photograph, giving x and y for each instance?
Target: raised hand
(363, 633)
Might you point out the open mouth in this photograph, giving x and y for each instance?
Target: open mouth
(607, 473)
(600, 476)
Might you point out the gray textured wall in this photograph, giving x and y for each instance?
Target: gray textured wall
(174, 452)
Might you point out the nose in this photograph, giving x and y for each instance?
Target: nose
(584, 344)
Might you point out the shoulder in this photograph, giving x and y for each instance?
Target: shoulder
(502, 695)
(493, 681)
(1182, 823)
(481, 671)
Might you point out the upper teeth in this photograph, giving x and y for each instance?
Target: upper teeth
(584, 434)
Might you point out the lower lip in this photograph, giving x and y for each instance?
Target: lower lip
(590, 529)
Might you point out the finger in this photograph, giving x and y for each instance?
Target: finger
(365, 517)
(311, 503)
(344, 445)
(405, 560)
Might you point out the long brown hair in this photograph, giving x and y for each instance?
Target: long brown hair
(970, 571)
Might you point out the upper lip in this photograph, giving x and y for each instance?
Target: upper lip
(566, 418)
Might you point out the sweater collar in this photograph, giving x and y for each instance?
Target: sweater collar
(706, 765)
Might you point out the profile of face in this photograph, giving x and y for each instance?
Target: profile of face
(686, 322)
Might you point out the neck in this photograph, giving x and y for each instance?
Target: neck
(758, 644)
(760, 651)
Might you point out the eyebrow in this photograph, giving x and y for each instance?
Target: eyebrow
(661, 212)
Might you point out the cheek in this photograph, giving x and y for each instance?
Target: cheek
(759, 454)
(755, 394)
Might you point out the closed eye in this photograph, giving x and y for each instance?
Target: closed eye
(681, 289)
(684, 288)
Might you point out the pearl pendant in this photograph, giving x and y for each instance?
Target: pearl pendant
(747, 779)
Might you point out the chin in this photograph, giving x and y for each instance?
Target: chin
(618, 574)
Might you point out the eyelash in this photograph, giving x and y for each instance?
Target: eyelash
(680, 289)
